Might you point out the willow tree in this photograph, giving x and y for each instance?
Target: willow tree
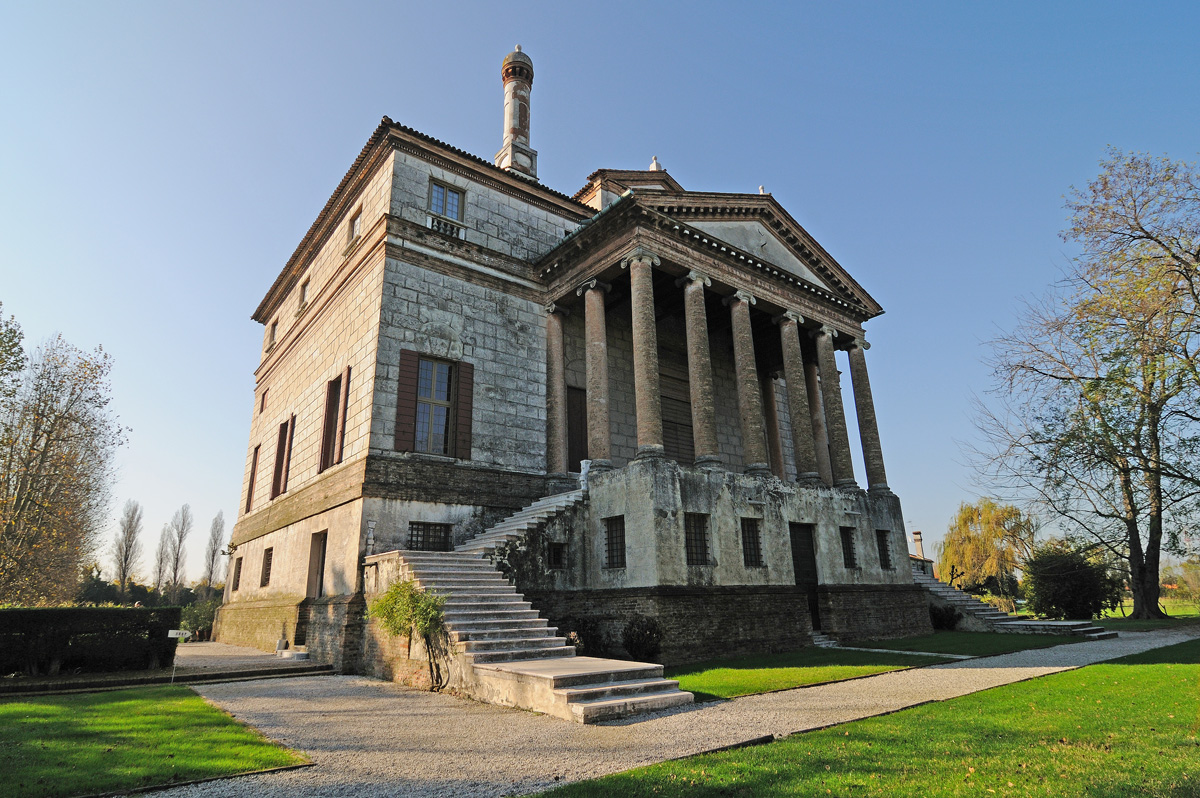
(1095, 405)
(986, 543)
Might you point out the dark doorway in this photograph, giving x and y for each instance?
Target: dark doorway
(576, 428)
(804, 561)
(316, 565)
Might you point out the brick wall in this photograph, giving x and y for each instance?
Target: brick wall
(332, 631)
(415, 478)
(257, 624)
(867, 612)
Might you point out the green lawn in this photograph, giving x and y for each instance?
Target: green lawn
(107, 741)
(762, 673)
(1124, 728)
(980, 644)
(1181, 612)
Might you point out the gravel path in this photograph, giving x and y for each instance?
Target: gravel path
(371, 738)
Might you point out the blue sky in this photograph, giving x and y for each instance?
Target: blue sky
(159, 162)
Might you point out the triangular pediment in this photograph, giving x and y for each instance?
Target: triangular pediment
(755, 238)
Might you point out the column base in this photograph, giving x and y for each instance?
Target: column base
(709, 462)
(847, 485)
(810, 480)
(881, 488)
(652, 452)
(600, 465)
(759, 470)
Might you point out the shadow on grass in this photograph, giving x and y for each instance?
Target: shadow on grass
(1187, 653)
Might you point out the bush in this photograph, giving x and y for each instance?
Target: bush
(47, 641)
(642, 637)
(198, 617)
(1062, 583)
(586, 634)
(406, 609)
(944, 618)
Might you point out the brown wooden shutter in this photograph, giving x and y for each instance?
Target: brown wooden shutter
(343, 411)
(464, 405)
(406, 401)
(287, 458)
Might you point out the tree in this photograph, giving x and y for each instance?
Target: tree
(162, 560)
(177, 532)
(1095, 415)
(1064, 582)
(57, 439)
(12, 355)
(987, 542)
(127, 549)
(212, 555)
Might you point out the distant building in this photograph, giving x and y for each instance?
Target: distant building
(453, 341)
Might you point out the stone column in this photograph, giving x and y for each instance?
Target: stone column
(803, 431)
(700, 378)
(556, 392)
(596, 369)
(835, 416)
(754, 445)
(820, 433)
(647, 391)
(771, 417)
(868, 428)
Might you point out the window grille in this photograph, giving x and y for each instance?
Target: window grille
(849, 555)
(751, 543)
(614, 542)
(424, 536)
(268, 557)
(557, 555)
(695, 533)
(882, 540)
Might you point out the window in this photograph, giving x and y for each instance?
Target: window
(253, 479)
(283, 456)
(885, 549)
(556, 553)
(304, 294)
(751, 544)
(236, 581)
(695, 535)
(424, 536)
(354, 228)
(434, 405)
(268, 556)
(333, 433)
(445, 201)
(272, 333)
(614, 542)
(262, 403)
(849, 556)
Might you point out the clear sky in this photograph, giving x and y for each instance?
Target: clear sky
(159, 162)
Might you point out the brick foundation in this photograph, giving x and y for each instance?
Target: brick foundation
(333, 631)
(257, 624)
(874, 612)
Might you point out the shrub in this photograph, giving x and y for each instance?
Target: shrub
(586, 634)
(198, 617)
(642, 637)
(945, 618)
(1061, 582)
(406, 609)
(47, 641)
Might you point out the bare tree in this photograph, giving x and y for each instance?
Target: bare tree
(57, 439)
(162, 560)
(178, 531)
(212, 555)
(127, 549)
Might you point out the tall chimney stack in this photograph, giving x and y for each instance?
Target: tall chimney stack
(516, 155)
(918, 545)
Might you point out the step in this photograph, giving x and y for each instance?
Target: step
(623, 707)
(460, 616)
(520, 654)
(496, 625)
(503, 633)
(1103, 634)
(513, 642)
(605, 690)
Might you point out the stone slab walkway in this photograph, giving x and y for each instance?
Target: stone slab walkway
(371, 738)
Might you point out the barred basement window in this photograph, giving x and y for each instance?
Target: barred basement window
(849, 556)
(268, 556)
(614, 542)
(695, 535)
(556, 553)
(751, 543)
(885, 549)
(236, 581)
(424, 536)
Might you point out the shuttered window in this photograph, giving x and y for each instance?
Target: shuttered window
(333, 432)
(268, 558)
(434, 404)
(283, 457)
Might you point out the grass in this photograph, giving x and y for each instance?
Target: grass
(1181, 612)
(980, 644)
(763, 673)
(123, 739)
(1128, 727)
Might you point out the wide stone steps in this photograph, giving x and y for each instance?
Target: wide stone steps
(519, 523)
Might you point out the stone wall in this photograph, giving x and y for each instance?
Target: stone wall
(874, 612)
(333, 629)
(257, 624)
(698, 623)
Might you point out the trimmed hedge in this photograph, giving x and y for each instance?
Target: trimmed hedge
(43, 642)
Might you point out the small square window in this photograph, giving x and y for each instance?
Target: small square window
(614, 542)
(751, 543)
(273, 334)
(303, 294)
(268, 557)
(423, 536)
(445, 201)
(354, 228)
(849, 555)
(883, 541)
(262, 402)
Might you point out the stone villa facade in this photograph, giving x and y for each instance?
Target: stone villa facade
(453, 341)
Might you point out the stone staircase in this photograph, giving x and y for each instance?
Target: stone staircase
(517, 525)
(509, 655)
(823, 640)
(998, 621)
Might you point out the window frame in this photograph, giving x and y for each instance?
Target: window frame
(333, 424)
(268, 560)
(419, 532)
(283, 457)
(450, 403)
(695, 540)
(849, 548)
(354, 227)
(407, 385)
(752, 554)
(883, 542)
(253, 477)
(235, 581)
(615, 557)
(447, 190)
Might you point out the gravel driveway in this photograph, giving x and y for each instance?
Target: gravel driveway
(372, 738)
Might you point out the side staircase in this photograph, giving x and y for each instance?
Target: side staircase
(999, 621)
(509, 655)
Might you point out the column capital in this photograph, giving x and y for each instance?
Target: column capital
(554, 307)
(858, 343)
(641, 254)
(593, 283)
(740, 296)
(694, 277)
(789, 316)
(824, 329)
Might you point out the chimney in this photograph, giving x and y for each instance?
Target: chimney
(516, 155)
(918, 545)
